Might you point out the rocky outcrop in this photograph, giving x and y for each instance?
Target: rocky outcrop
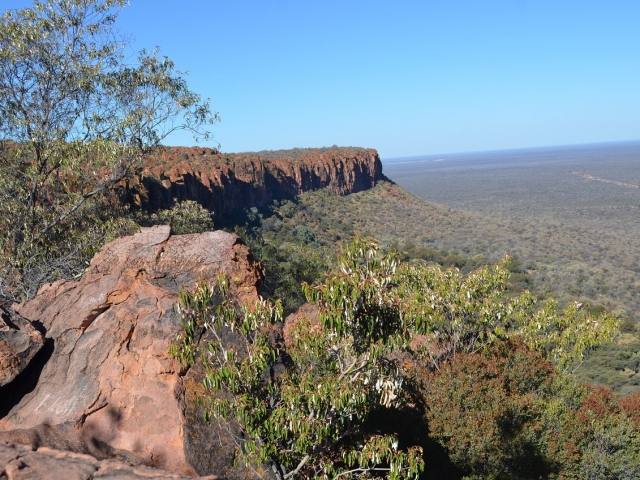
(307, 312)
(18, 462)
(224, 183)
(20, 341)
(110, 388)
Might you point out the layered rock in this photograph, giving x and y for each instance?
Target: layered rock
(110, 388)
(224, 183)
(18, 462)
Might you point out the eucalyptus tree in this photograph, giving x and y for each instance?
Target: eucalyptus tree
(303, 406)
(78, 113)
(303, 411)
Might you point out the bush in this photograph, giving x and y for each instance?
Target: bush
(487, 410)
(185, 217)
(305, 407)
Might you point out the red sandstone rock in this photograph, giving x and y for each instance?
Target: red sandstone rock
(110, 388)
(306, 311)
(18, 462)
(224, 183)
(19, 342)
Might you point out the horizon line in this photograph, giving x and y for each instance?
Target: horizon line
(502, 150)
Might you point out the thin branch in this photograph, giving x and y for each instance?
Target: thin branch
(298, 468)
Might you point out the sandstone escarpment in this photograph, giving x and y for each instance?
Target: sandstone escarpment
(109, 388)
(224, 183)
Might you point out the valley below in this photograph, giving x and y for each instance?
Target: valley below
(569, 214)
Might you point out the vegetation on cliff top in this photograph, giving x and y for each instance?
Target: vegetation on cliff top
(203, 157)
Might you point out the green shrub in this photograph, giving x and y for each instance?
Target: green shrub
(185, 217)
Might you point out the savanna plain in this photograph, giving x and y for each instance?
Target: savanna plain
(570, 216)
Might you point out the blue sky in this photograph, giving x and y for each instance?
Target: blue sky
(404, 77)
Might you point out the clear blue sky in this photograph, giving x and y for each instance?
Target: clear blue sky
(405, 77)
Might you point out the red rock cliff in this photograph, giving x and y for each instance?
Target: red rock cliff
(224, 182)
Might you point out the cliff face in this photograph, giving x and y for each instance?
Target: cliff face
(224, 183)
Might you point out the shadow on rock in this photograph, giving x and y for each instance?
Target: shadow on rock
(25, 382)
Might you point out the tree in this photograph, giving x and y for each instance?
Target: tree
(305, 421)
(507, 413)
(589, 433)
(468, 313)
(487, 410)
(75, 121)
(303, 407)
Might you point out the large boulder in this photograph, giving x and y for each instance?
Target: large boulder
(110, 388)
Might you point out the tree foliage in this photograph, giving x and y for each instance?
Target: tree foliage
(507, 413)
(303, 406)
(486, 409)
(305, 421)
(588, 433)
(76, 119)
